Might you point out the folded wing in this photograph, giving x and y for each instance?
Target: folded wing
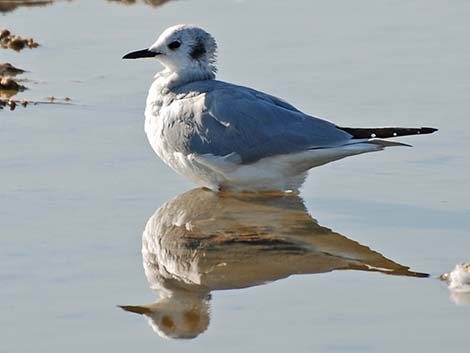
(253, 125)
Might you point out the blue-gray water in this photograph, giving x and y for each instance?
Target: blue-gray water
(78, 183)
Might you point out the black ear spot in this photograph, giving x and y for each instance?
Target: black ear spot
(198, 50)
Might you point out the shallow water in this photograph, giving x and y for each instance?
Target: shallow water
(79, 183)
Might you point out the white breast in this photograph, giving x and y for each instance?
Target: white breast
(156, 118)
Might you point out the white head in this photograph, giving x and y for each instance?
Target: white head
(183, 49)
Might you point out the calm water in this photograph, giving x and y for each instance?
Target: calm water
(79, 184)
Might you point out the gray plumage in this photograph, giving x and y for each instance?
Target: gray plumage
(252, 124)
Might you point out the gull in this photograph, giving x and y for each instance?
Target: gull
(228, 137)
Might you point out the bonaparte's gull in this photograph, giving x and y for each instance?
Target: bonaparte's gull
(228, 137)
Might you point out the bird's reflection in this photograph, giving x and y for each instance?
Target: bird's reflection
(202, 241)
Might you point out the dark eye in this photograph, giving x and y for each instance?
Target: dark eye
(174, 45)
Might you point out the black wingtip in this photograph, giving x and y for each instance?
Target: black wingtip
(428, 130)
(386, 132)
(420, 274)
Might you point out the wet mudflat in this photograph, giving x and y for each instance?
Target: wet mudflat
(345, 261)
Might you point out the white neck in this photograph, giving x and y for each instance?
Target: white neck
(170, 78)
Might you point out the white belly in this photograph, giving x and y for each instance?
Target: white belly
(179, 162)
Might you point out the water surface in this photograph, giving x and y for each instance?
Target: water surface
(79, 182)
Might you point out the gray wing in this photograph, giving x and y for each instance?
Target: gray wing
(255, 125)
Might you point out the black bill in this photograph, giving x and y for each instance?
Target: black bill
(144, 53)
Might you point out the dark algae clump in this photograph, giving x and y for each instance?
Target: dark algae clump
(15, 42)
(7, 69)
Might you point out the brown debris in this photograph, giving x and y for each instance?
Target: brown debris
(17, 43)
(9, 86)
(8, 83)
(11, 5)
(7, 69)
(7, 102)
(4, 33)
(52, 99)
(153, 3)
(13, 104)
(7, 6)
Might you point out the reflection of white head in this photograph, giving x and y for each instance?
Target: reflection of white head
(180, 316)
